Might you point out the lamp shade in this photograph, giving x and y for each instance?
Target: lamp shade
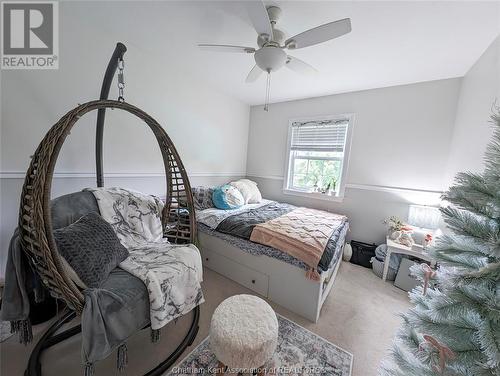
(424, 216)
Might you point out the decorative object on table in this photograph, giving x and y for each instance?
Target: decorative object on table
(460, 309)
(362, 253)
(243, 333)
(427, 241)
(227, 197)
(347, 252)
(404, 279)
(297, 347)
(405, 239)
(395, 227)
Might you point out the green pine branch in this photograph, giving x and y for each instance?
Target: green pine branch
(473, 193)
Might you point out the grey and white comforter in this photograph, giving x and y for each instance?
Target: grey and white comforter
(236, 226)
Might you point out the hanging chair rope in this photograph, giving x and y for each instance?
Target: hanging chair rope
(35, 223)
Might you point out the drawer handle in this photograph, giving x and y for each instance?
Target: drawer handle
(253, 281)
(206, 258)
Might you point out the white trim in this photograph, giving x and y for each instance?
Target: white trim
(270, 177)
(366, 187)
(21, 174)
(387, 188)
(314, 195)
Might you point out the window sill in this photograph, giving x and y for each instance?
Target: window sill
(314, 195)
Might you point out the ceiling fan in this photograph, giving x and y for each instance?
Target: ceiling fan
(270, 54)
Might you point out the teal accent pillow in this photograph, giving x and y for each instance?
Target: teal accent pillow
(227, 197)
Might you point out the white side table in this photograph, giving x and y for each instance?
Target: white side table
(415, 251)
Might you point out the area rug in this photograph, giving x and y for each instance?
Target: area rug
(299, 352)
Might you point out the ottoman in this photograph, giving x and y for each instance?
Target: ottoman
(243, 333)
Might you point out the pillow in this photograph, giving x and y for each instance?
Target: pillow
(202, 197)
(227, 197)
(244, 189)
(91, 248)
(249, 190)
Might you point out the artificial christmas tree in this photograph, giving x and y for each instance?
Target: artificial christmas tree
(454, 327)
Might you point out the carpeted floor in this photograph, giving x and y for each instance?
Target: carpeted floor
(360, 315)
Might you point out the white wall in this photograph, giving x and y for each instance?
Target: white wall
(209, 128)
(400, 147)
(480, 89)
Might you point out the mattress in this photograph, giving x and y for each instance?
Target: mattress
(235, 227)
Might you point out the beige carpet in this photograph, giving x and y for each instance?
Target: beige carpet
(360, 315)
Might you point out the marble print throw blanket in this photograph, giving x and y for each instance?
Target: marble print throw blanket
(172, 273)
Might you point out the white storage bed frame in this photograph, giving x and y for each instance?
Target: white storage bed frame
(280, 282)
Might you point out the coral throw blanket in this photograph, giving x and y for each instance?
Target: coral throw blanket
(303, 233)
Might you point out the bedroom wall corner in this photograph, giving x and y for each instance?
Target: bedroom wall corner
(479, 92)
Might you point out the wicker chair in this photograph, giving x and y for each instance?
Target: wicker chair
(35, 223)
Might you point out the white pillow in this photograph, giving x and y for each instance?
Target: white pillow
(248, 190)
(243, 188)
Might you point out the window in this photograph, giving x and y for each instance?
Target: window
(317, 156)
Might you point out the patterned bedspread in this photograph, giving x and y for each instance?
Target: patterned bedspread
(236, 228)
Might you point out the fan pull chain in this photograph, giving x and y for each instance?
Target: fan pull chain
(268, 92)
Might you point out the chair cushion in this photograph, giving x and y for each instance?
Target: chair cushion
(71, 207)
(91, 248)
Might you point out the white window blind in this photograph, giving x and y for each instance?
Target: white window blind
(325, 135)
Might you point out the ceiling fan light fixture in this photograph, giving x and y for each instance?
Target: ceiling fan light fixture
(270, 59)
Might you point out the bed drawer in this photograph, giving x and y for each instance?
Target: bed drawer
(242, 274)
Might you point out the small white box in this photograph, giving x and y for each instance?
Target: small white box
(403, 279)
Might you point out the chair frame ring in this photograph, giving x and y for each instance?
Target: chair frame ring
(35, 222)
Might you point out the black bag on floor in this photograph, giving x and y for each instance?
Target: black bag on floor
(362, 253)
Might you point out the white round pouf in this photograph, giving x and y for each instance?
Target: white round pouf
(244, 332)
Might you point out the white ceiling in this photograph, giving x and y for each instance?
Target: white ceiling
(392, 43)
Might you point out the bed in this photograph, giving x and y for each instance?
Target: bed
(225, 245)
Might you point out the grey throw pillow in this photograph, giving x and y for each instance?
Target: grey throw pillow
(91, 248)
(202, 197)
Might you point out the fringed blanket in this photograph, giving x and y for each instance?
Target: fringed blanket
(171, 273)
(302, 233)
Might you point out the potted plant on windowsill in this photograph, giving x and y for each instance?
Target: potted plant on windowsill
(330, 187)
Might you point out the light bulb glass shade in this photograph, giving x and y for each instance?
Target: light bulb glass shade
(424, 216)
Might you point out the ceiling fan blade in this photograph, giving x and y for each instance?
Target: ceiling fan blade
(226, 48)
(300, 66)
(260, 18)
(254, 74)
(320, 34)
